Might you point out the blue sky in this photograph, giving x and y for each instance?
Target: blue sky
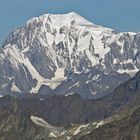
(121, 15)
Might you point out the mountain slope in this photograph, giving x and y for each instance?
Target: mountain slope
(80, 118)
(57, 52)
(25, 127)
(126, 128)
(72, 108)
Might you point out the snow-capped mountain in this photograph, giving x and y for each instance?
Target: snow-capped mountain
(66, 54)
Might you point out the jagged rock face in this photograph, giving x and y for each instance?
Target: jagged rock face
(67, 54)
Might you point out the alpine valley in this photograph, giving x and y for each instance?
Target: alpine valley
(63, 77)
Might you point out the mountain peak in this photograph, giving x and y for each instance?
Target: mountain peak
(61, 19)
(51, 50)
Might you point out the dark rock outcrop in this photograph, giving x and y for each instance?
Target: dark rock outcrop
(127, 128)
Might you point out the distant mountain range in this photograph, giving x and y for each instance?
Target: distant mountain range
(66, 54)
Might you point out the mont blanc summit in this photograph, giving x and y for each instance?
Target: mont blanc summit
(66, 54)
